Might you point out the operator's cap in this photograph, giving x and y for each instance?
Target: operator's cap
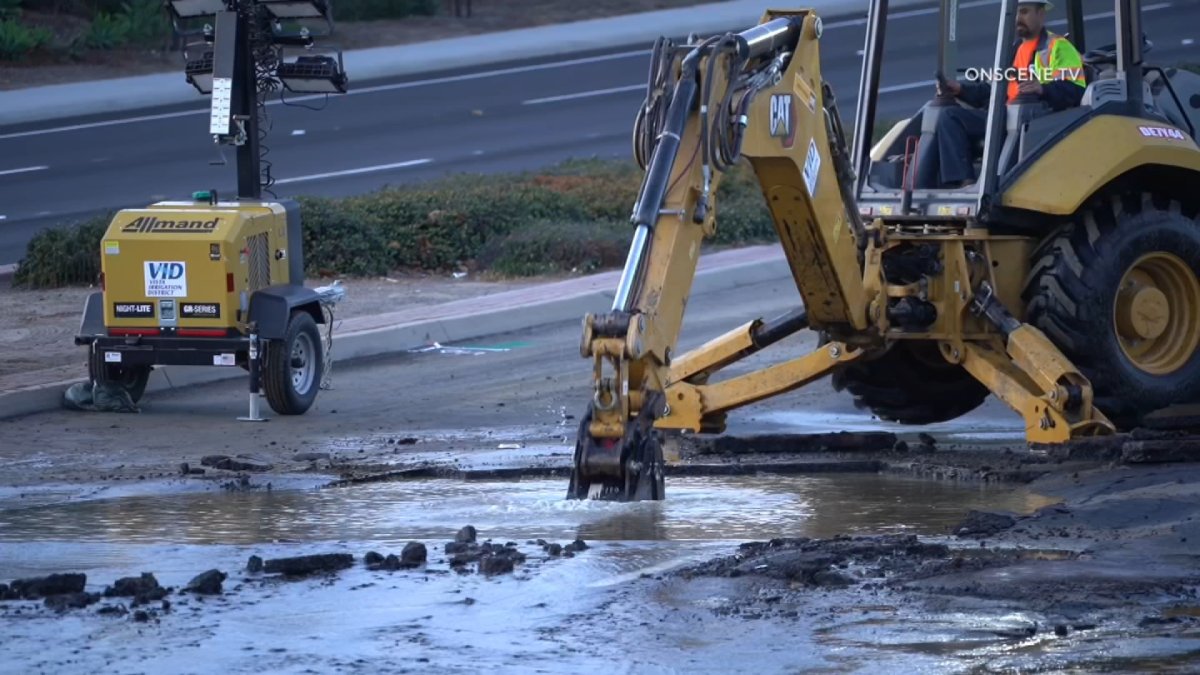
(1044, 3)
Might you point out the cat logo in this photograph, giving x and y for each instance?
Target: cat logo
(783, 118)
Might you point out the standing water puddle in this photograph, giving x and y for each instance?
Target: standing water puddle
(428, 618)
(708, 508)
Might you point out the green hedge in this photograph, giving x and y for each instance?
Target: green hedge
(116, 24)
(573, 217)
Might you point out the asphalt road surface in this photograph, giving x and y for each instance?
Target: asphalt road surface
(506, 117)
(512, 388)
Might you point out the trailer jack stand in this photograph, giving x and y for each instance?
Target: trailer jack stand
(255, 377)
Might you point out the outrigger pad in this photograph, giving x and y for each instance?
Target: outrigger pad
(98, 397)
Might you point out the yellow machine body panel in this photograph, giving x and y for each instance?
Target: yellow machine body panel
(168, 266)
(1062, 180)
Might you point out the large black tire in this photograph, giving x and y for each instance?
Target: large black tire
(1073, 295)
(131, 378)
(911, 384)
(293, 366)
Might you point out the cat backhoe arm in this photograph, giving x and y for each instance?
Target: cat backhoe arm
(942, 283)
(756, 95)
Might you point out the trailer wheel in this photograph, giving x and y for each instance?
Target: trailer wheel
(132, 379)
(911, 384)
(293, 366)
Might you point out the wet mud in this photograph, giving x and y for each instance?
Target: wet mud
(842, 552)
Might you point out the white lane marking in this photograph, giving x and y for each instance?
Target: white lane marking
(351, 172)
(907, 14)
(431, 81)
(26, 169)
(906, 86)
(366, 90)
(584, 94)
(1186, 41)
(105, 123)
(1109, 15)
(3, 217)
(493, 73)
(298, 132)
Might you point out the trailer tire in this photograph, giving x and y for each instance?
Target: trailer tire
(911, 384)
(292, 367)
(132, 379)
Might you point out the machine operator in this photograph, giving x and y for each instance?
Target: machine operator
(1059, 82)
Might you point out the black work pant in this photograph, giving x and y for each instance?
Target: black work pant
(950, 158)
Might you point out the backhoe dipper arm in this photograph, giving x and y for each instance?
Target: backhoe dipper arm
(758, 95)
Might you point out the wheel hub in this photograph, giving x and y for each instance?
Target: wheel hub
(1156, 313)
(1142, 312)
(299, 362)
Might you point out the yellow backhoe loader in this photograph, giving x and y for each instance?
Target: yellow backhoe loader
(1065, 280)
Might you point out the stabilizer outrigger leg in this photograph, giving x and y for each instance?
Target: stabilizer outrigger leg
(1025, 370)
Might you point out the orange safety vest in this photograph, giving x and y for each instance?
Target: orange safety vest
(1024, 59)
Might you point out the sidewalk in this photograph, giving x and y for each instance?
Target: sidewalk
(370, 335)
(147, 91)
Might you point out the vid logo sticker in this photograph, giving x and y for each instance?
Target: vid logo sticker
(783, 118)
(165, 279)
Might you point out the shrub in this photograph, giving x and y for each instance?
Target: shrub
(18, 40)
(552, 247)
(139, 22)
(367, 10)
(339, 239)
(573, 217)
(63, 256)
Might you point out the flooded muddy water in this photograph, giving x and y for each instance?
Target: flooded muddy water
(584, 613)
(697, 508)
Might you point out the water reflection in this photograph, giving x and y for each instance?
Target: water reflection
(748, 507)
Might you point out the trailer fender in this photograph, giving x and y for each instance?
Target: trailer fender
(91, 323)
(271, 308)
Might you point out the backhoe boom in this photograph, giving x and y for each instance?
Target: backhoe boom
(758, 96)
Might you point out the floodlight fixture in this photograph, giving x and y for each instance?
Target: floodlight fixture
(314, 75)
(296, 9)
(188, 9)
(200, 73)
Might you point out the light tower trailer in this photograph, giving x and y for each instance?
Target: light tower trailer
(221, 283)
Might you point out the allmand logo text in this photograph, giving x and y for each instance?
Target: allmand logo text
(1019, 74)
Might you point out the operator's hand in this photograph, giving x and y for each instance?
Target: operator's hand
(1030, 87)
(953, 87)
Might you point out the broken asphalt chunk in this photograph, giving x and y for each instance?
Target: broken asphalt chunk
(207, 583)
(309, 564)
(54, 584)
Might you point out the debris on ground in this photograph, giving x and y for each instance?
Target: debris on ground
(207, 583)
(309, 564)
(983, 523)
(238, 463)
(98, 397)
(143, 589)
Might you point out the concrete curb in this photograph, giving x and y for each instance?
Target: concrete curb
(349, 347)
(147, 91)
